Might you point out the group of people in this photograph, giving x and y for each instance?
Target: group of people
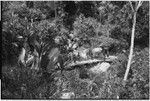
(82, 53)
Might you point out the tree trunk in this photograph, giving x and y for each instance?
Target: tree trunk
(131, 47)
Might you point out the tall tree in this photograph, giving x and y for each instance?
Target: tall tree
(138, 4)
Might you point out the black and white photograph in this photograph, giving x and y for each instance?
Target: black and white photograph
(75, 50)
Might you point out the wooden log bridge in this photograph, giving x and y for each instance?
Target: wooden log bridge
(87, 62)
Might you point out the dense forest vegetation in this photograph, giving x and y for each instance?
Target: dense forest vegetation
(75, 50)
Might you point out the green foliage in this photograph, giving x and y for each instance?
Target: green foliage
(140, 80)
(88, 24)
(19, 82)
(85, 26)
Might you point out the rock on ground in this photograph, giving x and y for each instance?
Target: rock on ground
(101, 67)
(67, 95)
